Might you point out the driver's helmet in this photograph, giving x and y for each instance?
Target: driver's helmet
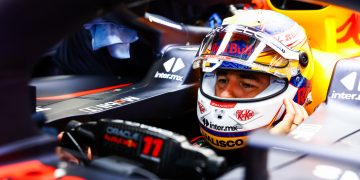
(251, 42)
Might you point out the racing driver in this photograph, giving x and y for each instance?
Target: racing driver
(256, 72)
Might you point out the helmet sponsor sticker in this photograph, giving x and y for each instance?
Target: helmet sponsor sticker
(224, 143)
(219, 113)
(201, 107)
(202, 110)
(292, 37)
(239, 45)
(302, 95)
(223, 104)
(304, 88)
(244, 115)
(222, 128)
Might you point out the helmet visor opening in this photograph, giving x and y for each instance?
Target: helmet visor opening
(241, 85)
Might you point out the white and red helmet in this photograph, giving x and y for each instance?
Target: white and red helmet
(260, 41)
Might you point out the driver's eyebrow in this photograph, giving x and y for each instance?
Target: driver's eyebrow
(245, 75)
(249, 76)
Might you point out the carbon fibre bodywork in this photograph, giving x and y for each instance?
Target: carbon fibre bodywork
(165, 96)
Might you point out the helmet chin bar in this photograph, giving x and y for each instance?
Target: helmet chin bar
(224, 123)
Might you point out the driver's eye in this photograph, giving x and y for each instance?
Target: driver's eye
(222, 80)
(246, 85)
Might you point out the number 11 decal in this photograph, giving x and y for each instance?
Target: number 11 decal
(154, 144)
